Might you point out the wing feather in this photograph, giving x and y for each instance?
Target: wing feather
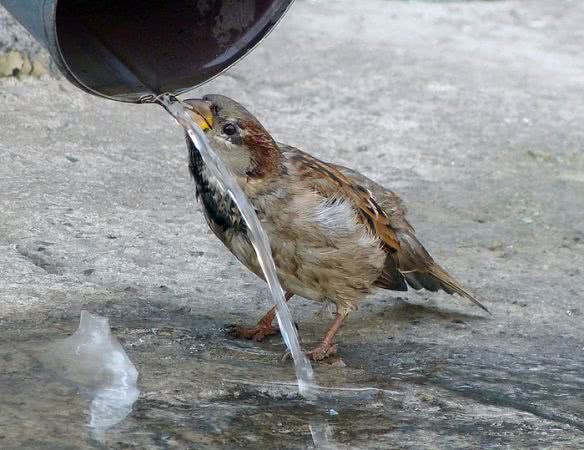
(330, 182)
(383, 212)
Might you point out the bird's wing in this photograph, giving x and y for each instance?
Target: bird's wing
(384, 214)
(390, 202)
(330, 182)
(412, 261)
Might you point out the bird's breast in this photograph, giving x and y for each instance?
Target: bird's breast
(220, 209)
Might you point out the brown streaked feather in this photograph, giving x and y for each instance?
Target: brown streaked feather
(329, 182)
(411, 262)
(391, 203)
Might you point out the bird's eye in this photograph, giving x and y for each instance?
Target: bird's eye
(229, 129)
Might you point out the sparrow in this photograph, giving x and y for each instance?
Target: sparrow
(335, 234)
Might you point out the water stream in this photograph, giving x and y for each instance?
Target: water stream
(258, 238)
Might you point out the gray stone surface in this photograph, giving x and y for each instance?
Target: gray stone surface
(473, 111)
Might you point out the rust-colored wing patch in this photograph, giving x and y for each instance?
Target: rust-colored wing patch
(331, 183)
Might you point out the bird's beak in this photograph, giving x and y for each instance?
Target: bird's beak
(201, 113)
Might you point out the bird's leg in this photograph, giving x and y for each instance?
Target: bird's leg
(263, 328)
(327, 347)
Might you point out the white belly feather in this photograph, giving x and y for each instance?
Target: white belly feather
(321, 251)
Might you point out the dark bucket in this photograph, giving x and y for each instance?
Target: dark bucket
(128, 49)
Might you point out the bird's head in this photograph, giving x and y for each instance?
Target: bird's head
(236, 136)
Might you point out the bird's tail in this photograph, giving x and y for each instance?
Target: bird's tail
(422, 272)
(435, 278)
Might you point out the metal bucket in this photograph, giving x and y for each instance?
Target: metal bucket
(128, 49)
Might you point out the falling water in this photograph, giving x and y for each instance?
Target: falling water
(258, 238)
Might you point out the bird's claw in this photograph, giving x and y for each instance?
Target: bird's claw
(318, 353)
(321, 351)
(257, 333)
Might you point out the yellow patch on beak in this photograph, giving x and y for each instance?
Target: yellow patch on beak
(201, 113)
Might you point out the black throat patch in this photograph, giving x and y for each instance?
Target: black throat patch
(219, 206)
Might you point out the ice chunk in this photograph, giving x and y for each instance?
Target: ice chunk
(94, 360)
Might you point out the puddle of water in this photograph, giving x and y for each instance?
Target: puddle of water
(81, 391)
(548, 386)
(199, 392)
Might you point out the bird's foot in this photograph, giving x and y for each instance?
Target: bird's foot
(257, 333)
(322, 351)
(318, 353)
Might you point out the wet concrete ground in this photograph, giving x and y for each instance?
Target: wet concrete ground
(472, 111)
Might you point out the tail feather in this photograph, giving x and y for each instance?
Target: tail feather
(435, 278)
(421, 271)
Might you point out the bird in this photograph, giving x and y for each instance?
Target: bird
(335, 235)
